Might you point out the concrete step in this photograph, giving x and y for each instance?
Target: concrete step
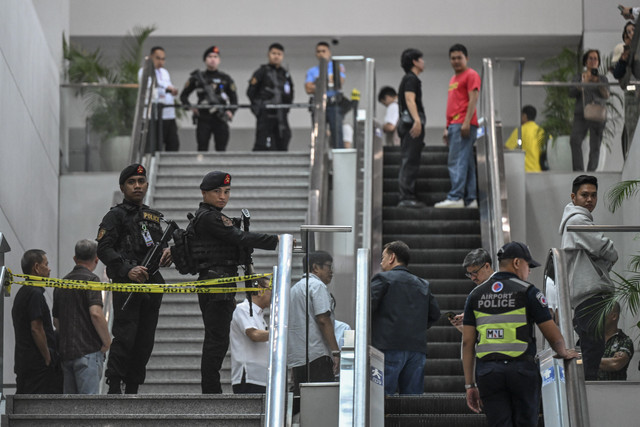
(151, 420)
(251, 202)
(265, 191)
(186, 386)
(232, 157)
(295, 212)
(172, 372)
(192, 181)
(238, 171)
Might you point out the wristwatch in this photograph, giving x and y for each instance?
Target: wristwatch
(468, 386)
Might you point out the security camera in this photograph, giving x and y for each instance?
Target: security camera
(335, 41)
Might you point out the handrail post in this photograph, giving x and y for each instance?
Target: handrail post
(362, 333)
(4, 247)
(278, 325)
(576, 390)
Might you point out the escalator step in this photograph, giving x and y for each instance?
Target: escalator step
(431, 226)
(448, 420)
(443, 241)
(429, 213)
(431, 403)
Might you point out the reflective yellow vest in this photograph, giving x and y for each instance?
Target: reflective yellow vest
(501, 319)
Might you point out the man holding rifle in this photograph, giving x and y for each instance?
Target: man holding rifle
(271, 84)
(219, 246)
(215, 90)
(127, 234)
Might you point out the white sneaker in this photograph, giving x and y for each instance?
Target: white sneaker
(446, 203)
(473, 205)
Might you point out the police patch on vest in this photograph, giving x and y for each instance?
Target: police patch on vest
(227, 221)
(151, 217)
(543, 300)
(497, 287)
(495, 334)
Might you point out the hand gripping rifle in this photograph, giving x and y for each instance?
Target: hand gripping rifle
(216, 102)
(152, 260)
(248, 261)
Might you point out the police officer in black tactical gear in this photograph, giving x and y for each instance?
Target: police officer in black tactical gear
(219, 246)
(272, 84)
(125, 235)
(214, 87)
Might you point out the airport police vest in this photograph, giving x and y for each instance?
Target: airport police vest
(500, 309)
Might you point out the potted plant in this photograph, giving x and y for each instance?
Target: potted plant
(111, 110)
(558, 109)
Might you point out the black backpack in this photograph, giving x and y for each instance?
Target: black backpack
(182, 251)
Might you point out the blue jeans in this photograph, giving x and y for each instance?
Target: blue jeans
(334, 119)
(462, 165)
(404, 372)
(82, 375)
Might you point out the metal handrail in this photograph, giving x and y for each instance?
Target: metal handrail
(278, 325)
(493, 207)
(363, 338)
(318, 164)
(575, 386)
(142, 112)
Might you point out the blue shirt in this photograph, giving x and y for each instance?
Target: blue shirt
(314, 72)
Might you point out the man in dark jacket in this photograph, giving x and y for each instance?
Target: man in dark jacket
(271, 84)
(402, 309)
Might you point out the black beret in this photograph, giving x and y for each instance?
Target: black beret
(212, 49)
(215, 179)
(131, 170)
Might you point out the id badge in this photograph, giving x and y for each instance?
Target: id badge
(148, 240)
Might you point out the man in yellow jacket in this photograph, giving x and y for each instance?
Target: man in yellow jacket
(532, 138)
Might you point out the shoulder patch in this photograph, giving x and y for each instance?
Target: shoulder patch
(542, 299)
(101, 233)
(233, 87)
(253, 81)
(226, 221)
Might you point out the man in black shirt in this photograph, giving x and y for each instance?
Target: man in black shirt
(37, 365)
(411, 127)
(125, 235)
(214, 87)
(272, 84)
(219, 246)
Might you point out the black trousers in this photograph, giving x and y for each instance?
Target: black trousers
(589, 327)
(40, 380)
(320, 370)
(578, 132)
(269, 136)
(209, 124)
(134, 331)
(216, 315)
(411, 149)
(510, 392)
(170, 135)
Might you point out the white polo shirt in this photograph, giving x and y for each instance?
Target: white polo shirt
(248, 355)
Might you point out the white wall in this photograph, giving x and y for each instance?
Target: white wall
(30, 46)
(328, 18)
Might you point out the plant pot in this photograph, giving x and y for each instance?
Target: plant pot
(559, 154)
(114, 153)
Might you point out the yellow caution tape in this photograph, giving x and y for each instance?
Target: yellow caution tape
(200, 287)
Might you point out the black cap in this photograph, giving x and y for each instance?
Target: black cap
(215, 179)
(517, 250)
(131, 170)
(212, 49)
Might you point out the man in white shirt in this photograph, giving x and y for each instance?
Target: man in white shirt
(249, 338)
(389, 98)
(164, 95)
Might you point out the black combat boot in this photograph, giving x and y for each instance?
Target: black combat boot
(115, 385)
(131, 388)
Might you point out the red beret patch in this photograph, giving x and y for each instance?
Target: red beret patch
(140, 170)
(227, 179)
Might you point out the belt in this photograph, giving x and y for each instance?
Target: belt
(523, 358)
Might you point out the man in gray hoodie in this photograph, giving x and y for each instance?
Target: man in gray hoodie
(590, 256)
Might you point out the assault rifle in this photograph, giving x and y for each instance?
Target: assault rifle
(277, 99)
(245, 218)
(152, 259)
(212, 98)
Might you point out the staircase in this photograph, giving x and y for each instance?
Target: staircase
(274, 187)
(439, 240)
(134, 410)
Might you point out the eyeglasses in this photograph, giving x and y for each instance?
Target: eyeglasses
(474, 273)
